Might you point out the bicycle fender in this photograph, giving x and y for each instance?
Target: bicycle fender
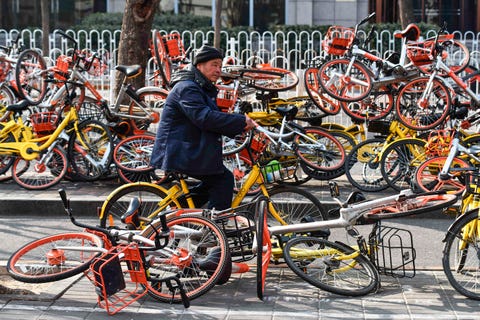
(460, 220)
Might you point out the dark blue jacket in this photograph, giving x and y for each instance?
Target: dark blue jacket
(189, 138)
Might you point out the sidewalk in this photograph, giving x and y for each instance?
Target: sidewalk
(427, 296)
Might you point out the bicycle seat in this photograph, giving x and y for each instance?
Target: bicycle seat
(410, 33)
(18, 107)
(354, 197)
(289, 112)
(130, 71)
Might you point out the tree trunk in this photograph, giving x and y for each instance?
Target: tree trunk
(405, 9)
(218, 23)
(45, 26)
(134, 39)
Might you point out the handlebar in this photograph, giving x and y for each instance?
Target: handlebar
(113, 234)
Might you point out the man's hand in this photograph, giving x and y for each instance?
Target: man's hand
(249, 123)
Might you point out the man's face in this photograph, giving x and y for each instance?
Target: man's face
(211, 69)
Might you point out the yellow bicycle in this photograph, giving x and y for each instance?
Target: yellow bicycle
(36, 152)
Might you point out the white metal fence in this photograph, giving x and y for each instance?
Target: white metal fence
(291, 50)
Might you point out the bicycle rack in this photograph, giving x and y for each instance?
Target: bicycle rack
(239, 231)
(392, 251)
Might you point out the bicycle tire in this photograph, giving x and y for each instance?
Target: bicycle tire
(400, 161)
(127, 176)
(270, 78)
(150, 110)
(461, 255)
(334, 82)
(325, 153)
(348, 143)
(36, 175)
(321, 100)
(323, 267)
(427, 179)
(230, 146)
(119, 199)
(133, 153)
(377, 105)
(419, 203)
(6, 98)
(92, 143)
(295, 205)
(30, 76)
(197, 238)
(164, 65)
(362, 166)
(434, 109)
(39, 261)
(457, 59)
(264, 247)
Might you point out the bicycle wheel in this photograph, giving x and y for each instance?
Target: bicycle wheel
(147, 110)
(41, 173)
(133, 153)
(377, 105)
(6, 98)
(90, 150)
(319, 150)
(457, 58)
(236, 144)
(362, 166)
(196, 253)
(427, 175)
(461, 255)
(348, 143)
(264, 246)
(295, 205)
(400, 161)
(418, 203)
(270, 78)
(164, 64)
(54, 258)
(119, 199)
(419, 113)
(321, 100)
(30, 76)
(331, 266)
(336, 82)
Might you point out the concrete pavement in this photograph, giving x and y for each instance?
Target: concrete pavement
(428, 295)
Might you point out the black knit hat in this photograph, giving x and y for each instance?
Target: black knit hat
(207, 53)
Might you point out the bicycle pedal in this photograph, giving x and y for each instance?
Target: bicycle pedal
(451, 211)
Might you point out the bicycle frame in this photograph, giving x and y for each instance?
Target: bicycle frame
(456, 148)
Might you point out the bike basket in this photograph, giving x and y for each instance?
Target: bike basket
(393, 252)
(338, 40)
(61, 67)
(173, 47)
(119, 277)
(421, 53)
(44, 123)
(275, 170)
(226, 98)
(239, 232)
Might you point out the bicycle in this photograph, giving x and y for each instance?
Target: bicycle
(350, 80)
(38, 158)
(447, 172)
(335, 266)
(425, 102)
(135, 109)
(288, 204)
(172, 261)
(461, 251)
